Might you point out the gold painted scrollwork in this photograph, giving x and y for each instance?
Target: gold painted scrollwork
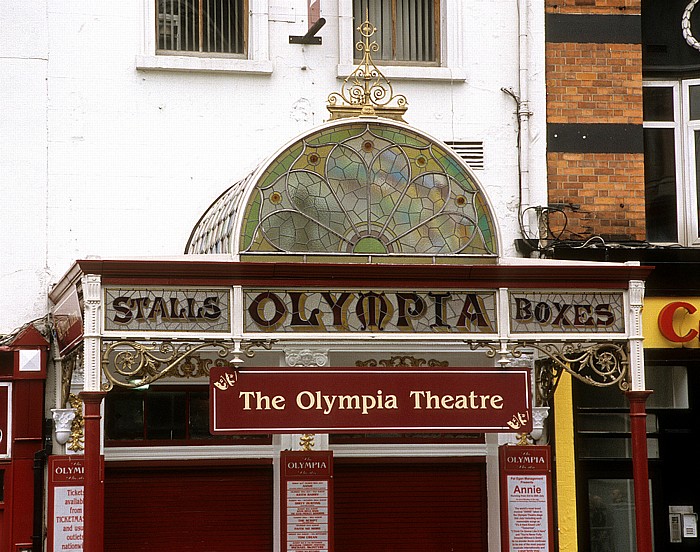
(366, 91)
(76, 441)
(600, 365)
(132, 364)
(402, 361)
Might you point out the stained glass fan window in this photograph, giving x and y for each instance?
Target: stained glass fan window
(370, 189)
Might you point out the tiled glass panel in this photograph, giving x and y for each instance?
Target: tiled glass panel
(371, 189)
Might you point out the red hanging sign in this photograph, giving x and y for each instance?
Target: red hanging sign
(277, 400)
(66, 503)
(527, 516)
(307, 501)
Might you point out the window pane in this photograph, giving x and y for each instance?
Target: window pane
(199, 416)
(694, 102)
(124, 416)
(165, 416)
(589, 396)
(221, 22)
(613, 447)
(658, 103)
(660, 184)
(697, 178)
(669, 383)
(612, 423)
(611, 515)
(405, 28)
(670, 386)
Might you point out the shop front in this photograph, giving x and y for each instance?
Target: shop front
(210, 380)
(671, 327)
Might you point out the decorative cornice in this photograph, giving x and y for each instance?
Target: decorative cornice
(197, 272)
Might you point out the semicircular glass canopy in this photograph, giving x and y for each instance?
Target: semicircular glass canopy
(356, 188)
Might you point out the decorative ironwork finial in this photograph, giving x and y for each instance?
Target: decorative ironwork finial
(366, 91)
(307, 441)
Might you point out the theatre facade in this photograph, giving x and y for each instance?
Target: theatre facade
(336, 363)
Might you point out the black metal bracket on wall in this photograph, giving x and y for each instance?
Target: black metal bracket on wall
(309, 37)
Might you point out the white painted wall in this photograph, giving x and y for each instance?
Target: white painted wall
(23, 150)
(99, 157)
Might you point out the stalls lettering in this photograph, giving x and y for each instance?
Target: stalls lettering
(167, 309)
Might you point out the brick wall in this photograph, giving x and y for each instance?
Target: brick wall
(606, 190)
(594, 96)
(594, 83)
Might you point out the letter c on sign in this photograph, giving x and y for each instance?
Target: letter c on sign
(666, 322)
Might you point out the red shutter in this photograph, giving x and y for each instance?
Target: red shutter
(421, 506)
(202, 508)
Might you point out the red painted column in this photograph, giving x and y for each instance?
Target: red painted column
(640, 468)
(93, 515)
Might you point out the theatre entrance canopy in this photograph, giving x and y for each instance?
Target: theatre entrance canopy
(362, 242)
(364, 247)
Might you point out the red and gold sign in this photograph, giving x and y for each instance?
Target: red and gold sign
(276, 400)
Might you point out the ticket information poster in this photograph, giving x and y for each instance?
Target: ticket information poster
(526, 499)
(307, 501)
(66, 503)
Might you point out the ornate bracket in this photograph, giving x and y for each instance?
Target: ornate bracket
(598, 364)
(132, 364)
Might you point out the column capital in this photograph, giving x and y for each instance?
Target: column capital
(638, 399)
(92, 397)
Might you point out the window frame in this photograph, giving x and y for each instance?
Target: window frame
(256, 59)
(684, 149)
(689, 218)
(449, 65)
(436, 31)
(201, 40)
(188, 441)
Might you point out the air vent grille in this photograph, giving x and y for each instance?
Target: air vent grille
(471, 152)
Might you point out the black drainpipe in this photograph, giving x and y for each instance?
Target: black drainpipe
(40, 457)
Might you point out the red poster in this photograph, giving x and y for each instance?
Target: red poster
(307, 501)
(278, 400)
(527, 516)
(66, 506)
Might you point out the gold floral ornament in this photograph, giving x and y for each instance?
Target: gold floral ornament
(366, 91)
(76, 442)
